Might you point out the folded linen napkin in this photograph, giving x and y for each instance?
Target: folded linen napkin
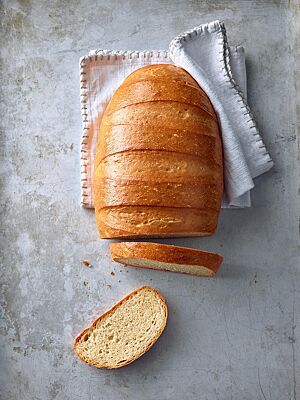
(219, 70)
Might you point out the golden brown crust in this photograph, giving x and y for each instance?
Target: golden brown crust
(110, 311)
(162, 72)
(140, 221)
(159, 135)
(154, 166)
(164, 114)
(123, 138)
(148, 91)
(166, 254)
(120, 192)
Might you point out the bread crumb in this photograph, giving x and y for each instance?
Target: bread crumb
(108, 286)
(85, 283)
(119, 281)
(121, 270)
(121, 336)
(86, 263)
(112, 273)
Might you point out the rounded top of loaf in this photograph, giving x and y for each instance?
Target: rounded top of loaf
(168, 71)
(160, 83)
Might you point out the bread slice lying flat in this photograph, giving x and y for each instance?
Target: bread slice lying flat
(166, 258)
(125, 332)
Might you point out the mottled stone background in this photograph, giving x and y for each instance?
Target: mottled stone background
(234, 337)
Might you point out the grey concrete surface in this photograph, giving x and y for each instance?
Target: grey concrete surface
(233, 337)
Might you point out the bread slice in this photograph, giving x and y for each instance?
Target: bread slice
(145, 221)
(162, 113)
(120, 192)
(121, 138)
(146, 91)
(162, 166)
(166, 258)
(125, 332)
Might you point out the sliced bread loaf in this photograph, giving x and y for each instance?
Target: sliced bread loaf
(159, 130)
(165, 257)
(125, 332)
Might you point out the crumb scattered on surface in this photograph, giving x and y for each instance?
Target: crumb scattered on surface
(85, 283)
(108, 286)
(126, 270)
(86, 263)
(112, 273)
(221, 245)
(121, 270)
(119, 281)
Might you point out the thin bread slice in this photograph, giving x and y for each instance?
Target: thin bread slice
(167, 258)
(125, 332)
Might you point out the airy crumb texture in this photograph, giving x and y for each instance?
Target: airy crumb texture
(166, 258)
(197, 270)
(125, 332)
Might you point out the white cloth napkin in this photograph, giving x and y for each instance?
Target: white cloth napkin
(205, 54)
(220, 71)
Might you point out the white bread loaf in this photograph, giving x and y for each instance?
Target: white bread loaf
(158, 169)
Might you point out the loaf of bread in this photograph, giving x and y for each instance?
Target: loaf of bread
(125, 332)
(158, 168)
(166, 258)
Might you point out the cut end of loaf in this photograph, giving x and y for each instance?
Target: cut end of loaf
(125, 332)
(198, 270)
(166, 258)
